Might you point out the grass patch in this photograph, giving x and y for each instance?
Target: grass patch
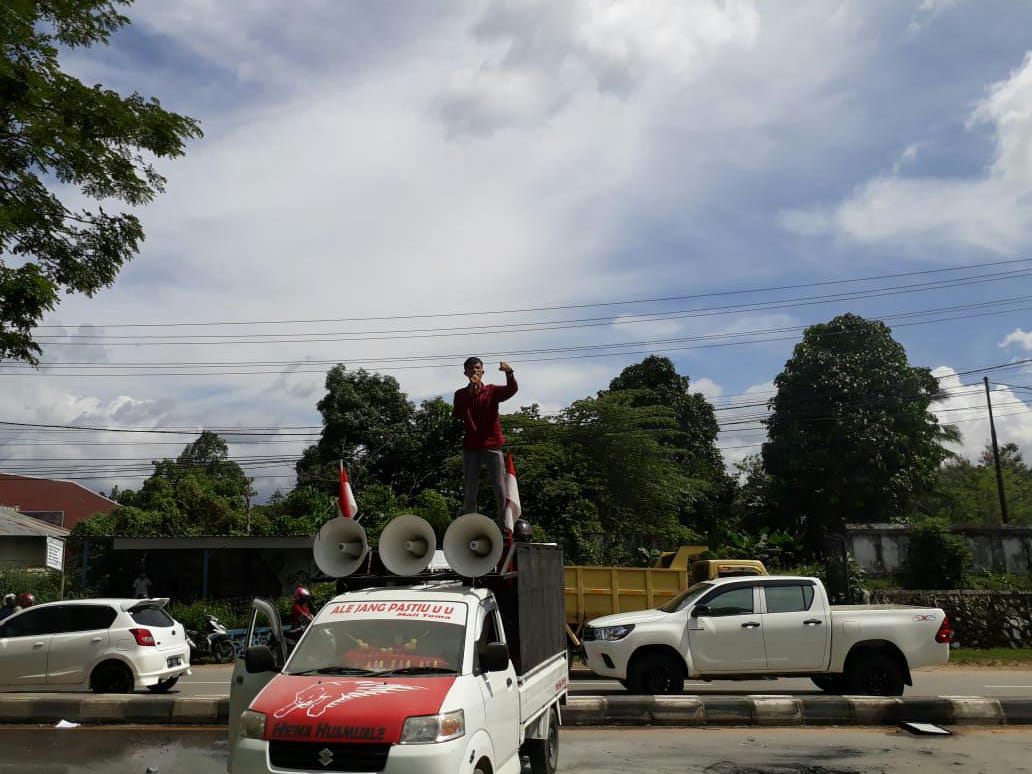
(991, 657)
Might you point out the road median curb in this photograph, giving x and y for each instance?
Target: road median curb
(686, 711)
(50, 708)
(793, 711)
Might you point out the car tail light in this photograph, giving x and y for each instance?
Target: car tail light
(143, 636)
(945, 633)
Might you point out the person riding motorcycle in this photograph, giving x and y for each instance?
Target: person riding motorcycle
(301, 613)
(9, 607)
(26, 600)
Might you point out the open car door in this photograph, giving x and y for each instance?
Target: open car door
(265, 629)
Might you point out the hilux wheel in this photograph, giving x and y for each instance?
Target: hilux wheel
(112, 677)
(654, 674)
(874, 674)
(544, 753)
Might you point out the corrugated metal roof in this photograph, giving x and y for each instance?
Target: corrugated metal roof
(14, 523)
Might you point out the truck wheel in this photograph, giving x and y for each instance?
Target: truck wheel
(829, 683)
(655, 674)
(544, 753)
(874, 674)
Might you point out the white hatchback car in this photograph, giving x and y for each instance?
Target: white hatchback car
(103, 645)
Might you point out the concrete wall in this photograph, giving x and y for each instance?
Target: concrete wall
(881, 548)
(981, 619)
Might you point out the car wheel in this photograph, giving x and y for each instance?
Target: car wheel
(112, 677)
(874, 674)
(544, 753)
(224, 651)
(829, 683)
(654, 674)
(164, 686)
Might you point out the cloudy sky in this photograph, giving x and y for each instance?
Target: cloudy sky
(568, 186)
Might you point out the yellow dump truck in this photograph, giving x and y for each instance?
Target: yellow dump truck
(596, 591)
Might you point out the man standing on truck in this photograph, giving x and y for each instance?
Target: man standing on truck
(476, 405)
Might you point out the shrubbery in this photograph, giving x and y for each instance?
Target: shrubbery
(45, 585)
(936, 558)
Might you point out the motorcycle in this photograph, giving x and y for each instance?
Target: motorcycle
(213, 641)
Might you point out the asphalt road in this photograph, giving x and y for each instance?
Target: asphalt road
(29, 750)
(214, 681)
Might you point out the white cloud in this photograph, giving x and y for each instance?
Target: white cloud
(966, 409)
(991, 212)
(540, 55)
(1021, 338)
(707, 387)
(927, 12)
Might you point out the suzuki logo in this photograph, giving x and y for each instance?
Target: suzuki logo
(325, 757)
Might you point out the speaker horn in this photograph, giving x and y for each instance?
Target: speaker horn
(473, 545)
(340, 547)
(407, 545)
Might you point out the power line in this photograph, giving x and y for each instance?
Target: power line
(685, 297)
(450, 358)
(531, 327)
(361, 363)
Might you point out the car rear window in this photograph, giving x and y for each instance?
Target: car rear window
(151, 616)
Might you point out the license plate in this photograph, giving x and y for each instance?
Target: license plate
(174, 661)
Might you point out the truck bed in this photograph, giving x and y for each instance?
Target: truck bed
(538, 687)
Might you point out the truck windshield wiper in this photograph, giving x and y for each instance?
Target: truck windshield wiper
(418, 670)
(334, 670)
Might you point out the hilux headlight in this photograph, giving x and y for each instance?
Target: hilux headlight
(610, 633)
(427, 729)
(252, 724)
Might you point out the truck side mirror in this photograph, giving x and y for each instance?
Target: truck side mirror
(259, 658)
(494, 657)
(700, 610)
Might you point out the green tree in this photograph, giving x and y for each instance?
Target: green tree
(966, 493)
(201, 492)
(691, 441)
(555, 481)
(851, 438)
(367, 423)
(55, 130)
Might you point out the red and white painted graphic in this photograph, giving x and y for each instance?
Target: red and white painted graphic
(302, 707)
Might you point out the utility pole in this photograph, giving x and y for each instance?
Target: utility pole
(996, 454)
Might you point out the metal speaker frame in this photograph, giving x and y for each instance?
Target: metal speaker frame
(473, 544)
(340, 547)
(407, 545)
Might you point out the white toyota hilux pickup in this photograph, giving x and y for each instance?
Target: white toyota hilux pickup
(737, 629)
(405, 679)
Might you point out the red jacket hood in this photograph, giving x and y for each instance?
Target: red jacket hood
(346, 709)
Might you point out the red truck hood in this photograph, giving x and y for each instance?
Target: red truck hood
(302, 708)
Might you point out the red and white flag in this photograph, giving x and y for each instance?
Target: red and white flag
(346, 505)
(512, 494)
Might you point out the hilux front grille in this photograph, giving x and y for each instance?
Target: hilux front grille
(320, 756)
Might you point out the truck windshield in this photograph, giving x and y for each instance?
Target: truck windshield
(686, 597)
(379, 646)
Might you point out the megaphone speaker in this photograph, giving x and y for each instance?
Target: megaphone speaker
(407, 545)
(473, 545)
(340, 547)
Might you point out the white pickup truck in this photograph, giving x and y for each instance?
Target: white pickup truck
(736, 628)
(402, 679)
